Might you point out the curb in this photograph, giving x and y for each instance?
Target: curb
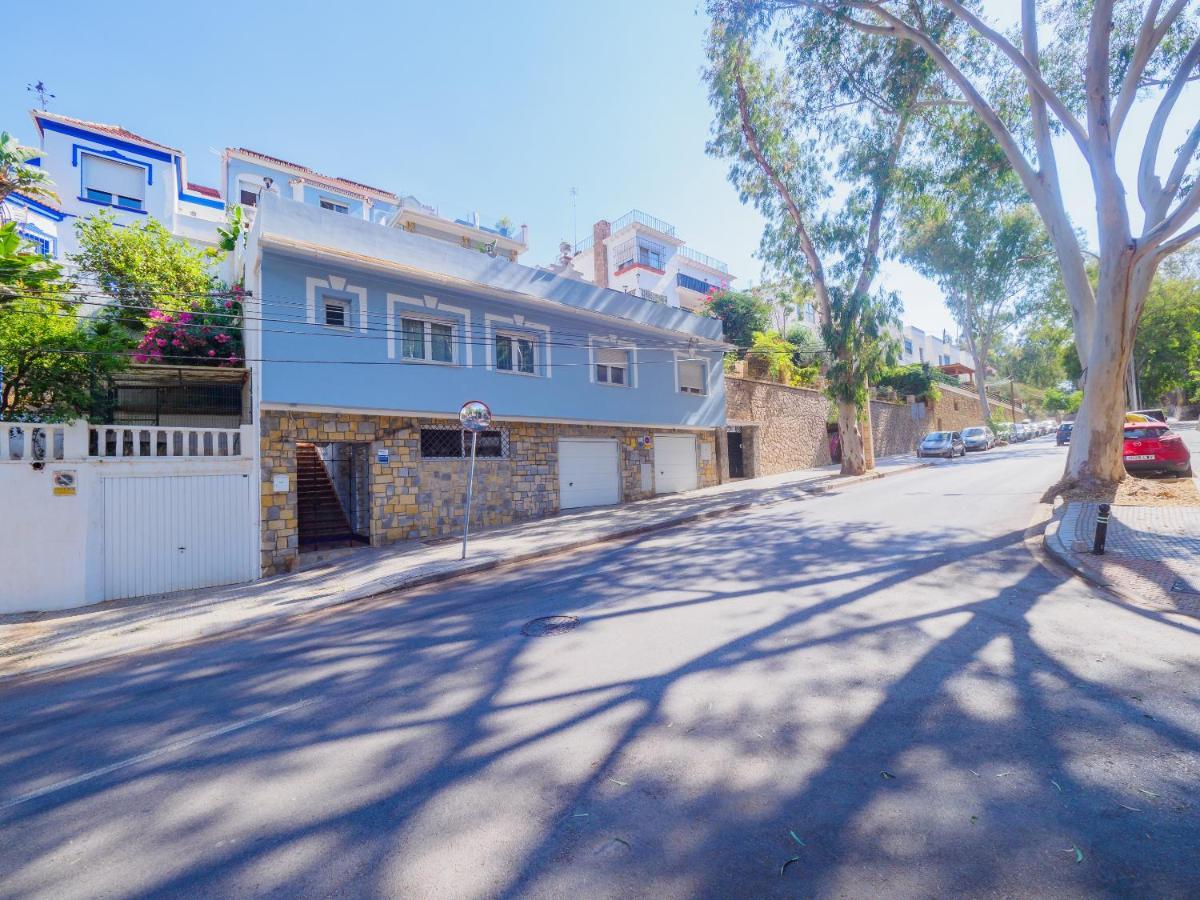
(455, 569)
(1058, 550)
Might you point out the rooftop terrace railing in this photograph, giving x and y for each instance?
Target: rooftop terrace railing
(704, 259)
(641, 218)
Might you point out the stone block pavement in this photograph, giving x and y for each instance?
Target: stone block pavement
(1152, 554)
(37, 643)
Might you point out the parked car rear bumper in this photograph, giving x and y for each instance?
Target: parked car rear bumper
(1165, 466)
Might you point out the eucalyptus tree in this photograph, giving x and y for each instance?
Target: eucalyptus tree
(1079, 69)
(969, 227)
(818, 126)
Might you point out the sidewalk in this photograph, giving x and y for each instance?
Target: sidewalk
(1152, 554)
(35, 643)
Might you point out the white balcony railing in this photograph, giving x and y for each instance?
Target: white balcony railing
(30, 442)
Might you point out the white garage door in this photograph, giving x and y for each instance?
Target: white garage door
(588, 473)
(177, 532)
(674, 463)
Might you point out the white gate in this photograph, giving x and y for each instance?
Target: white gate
(177, 532)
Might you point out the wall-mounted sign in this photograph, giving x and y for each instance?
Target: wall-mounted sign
(279, 484)
(383, 456)
(647, 441)
(64, 483)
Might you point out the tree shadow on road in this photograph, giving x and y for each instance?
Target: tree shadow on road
(729, 685)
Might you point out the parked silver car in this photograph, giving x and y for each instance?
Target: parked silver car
(979, 437)
(942, 443)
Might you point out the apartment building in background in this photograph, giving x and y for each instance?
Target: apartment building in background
(641, 254)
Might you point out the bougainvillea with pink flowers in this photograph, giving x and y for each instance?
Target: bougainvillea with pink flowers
(208, 331)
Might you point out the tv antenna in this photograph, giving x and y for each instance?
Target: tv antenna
(43, 93)
(574, 218)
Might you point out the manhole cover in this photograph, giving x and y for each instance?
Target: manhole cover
(1183, 587)
(548, 625)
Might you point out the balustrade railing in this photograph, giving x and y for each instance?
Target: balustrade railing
(31, 442)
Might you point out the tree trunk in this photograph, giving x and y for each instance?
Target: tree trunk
(979, 356)
(1095, 459)
(854, 450)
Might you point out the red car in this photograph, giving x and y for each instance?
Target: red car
(1153, 447)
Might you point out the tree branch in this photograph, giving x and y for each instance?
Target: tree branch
(1032, 75)
(1151, 195)
(1096, 78)
(1179, 242)
(1183, 213)
(882, 189)
(806, 244)
(1150, 35)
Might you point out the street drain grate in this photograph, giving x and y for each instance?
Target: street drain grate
(548, 625)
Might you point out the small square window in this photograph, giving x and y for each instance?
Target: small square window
(335, 314)
(515, 354)
(249, 198)
(692, 376)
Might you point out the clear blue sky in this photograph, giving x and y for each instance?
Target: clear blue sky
(469, 105)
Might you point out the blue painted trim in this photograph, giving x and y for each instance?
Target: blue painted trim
(192, 198)
(34, 161)
(140, 212)
(32, 233)
(48, 212)
(77, 149)
(48, 124)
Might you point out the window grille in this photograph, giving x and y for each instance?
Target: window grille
(450, 442)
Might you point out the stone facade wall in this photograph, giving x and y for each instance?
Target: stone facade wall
(894, 428)
(414, 498)
(789, 430)
(958, 408)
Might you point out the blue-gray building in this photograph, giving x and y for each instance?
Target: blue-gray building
(365, 340)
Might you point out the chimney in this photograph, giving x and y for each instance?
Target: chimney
(600, 232)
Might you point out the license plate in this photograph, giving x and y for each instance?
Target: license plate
(1142, 458)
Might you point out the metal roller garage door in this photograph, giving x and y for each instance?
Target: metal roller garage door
(588, 473)
(177, 532)
(674, 463)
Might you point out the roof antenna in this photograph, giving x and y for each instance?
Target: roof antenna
(574, 218)
(43, 93)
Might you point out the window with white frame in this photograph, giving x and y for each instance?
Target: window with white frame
(337, 313)
(692, 376)
(249, 197)
(516, 353)
(116, 183)
(425, 339)
(612, 366)
(334, 206)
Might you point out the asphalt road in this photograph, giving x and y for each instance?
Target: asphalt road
(879, 692)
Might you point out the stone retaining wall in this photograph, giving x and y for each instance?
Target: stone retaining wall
(786, 425)
(414, 498)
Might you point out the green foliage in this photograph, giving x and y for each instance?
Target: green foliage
(53, 358)
(142, 267)
(17, 176)
(919, 379)
(23, 271)
(860, 343)
(1167, 352)
(741, 314)
(233, 232)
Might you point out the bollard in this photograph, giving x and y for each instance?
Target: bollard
(1101, 529)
